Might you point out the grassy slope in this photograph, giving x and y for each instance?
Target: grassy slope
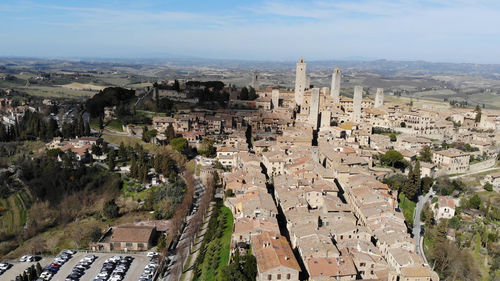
(407, 206)
(115, 125)
(225, 240)
(225, 243)
(128, 141)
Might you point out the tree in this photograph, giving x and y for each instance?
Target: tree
(250, 267)
(39, 269)
(122, 152)
(207, 148)
(218, 165)
(474, 202)
(87, 129)
(478, 114)
(426, 154)
(176, 85)
(170, 133)
(403, 125)
(244, 94)
(488, 187)
(252, 95)
(110, 209)
(144, 134)
(101, 123)
(179, 144)
(391, 157)
(229, 193)
(426, 184)
(396, 181)
(111, 160)
(411, 187)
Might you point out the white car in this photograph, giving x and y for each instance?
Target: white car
(152, 254)
(4, 266)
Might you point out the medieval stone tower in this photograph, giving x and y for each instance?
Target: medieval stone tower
(379, 98)
(300, 81)
(358, 97)
(335, 89)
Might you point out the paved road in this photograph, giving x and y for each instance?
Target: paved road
(477, 172)
(416, 221)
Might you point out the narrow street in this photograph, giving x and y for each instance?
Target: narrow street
(417, 225)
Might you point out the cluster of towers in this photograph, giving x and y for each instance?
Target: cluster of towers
(302, 85)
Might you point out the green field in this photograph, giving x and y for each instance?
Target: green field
(128, 141)
(14, 212)
(115, 125)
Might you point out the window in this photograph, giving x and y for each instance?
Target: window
(128, 244)
(269, 277)
(288, 276)
(279, 276)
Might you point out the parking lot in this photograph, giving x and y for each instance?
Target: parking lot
(135, 270)
(19, 267)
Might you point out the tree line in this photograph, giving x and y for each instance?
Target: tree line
(36, 126)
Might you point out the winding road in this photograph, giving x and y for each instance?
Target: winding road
(417, 225)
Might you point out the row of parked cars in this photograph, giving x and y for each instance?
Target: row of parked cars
(4, 267)
(29, 258)
(80, 267)
(114, 268)
(150, 268)
(56, 264)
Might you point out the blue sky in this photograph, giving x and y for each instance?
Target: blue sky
(432, 30)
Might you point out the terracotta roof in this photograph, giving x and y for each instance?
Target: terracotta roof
(416, 271)
(272, 251)
(132, 233)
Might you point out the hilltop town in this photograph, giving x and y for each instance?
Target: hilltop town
(223, 182)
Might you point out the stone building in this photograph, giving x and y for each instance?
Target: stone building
(452, 160)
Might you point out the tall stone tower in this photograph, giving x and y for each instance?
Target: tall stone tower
(275, 98)
(356, 106)
(335, 89)
(326, 118)
(255, 80)
(300, 81)
(379, 98)
(314, 108)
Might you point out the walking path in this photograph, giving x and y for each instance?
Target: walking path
(472, 173)
(187, 275)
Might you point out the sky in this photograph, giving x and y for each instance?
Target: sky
(431, 30)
